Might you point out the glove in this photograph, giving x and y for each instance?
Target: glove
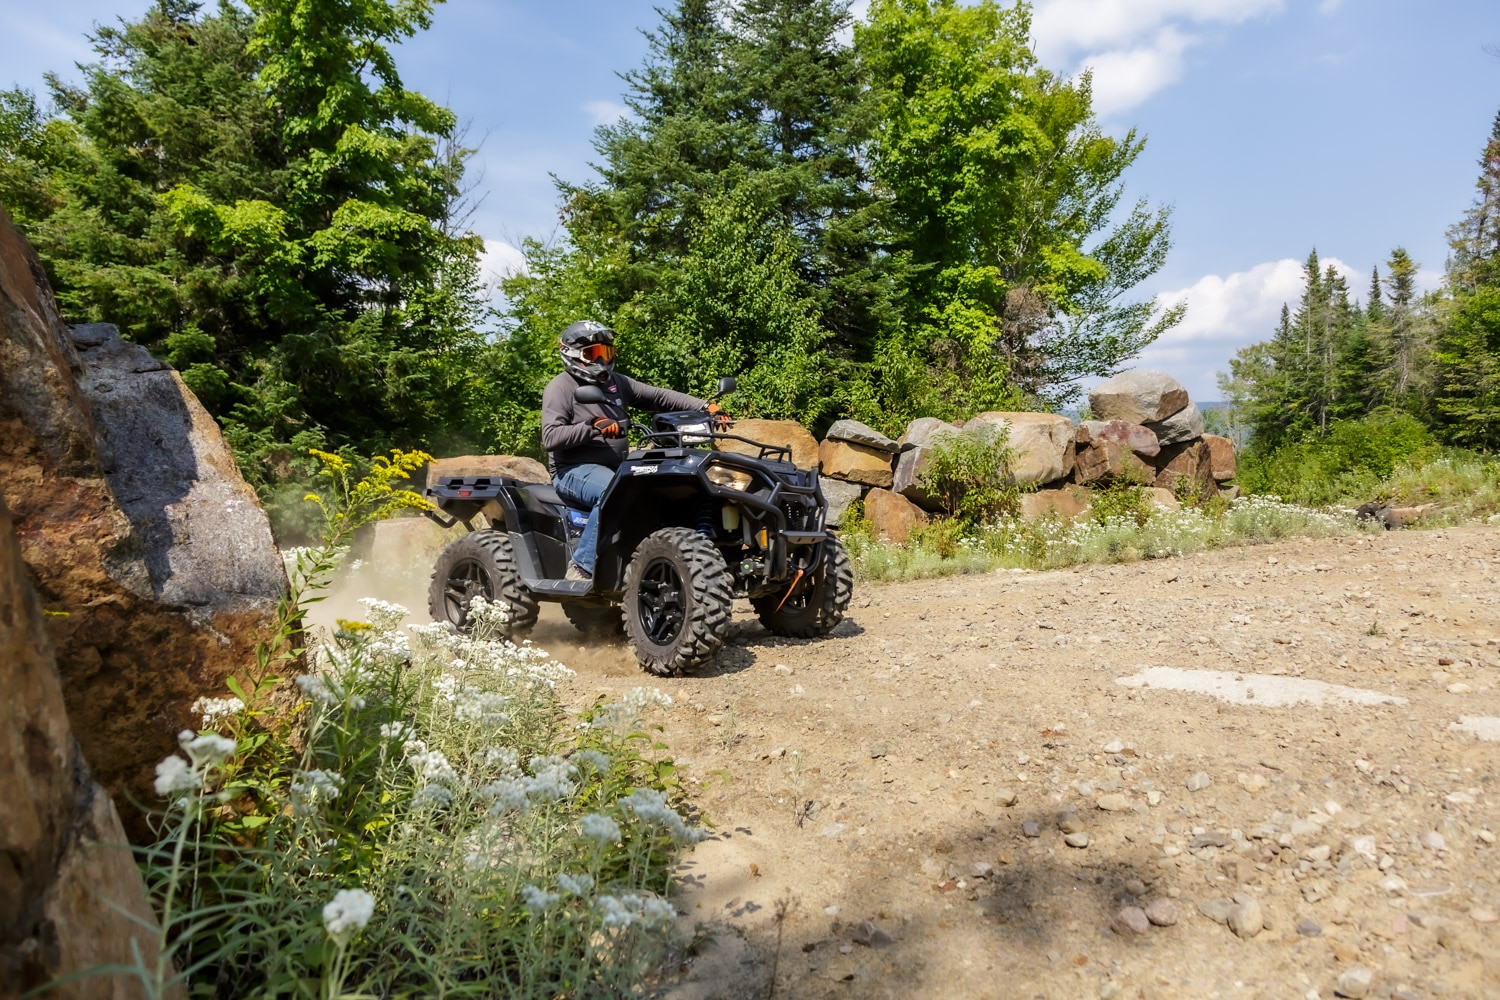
(608, 427)
(721, 420)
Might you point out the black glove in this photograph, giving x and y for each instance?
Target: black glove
(608, 427)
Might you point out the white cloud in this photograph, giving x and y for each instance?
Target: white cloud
(1135, 47)
(500, 260)
(1227, 313)
(605, 112)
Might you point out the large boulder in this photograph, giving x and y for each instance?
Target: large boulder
(1041, 444)
(1184, 425)
(1068, 503)
(892, 516)
(783, 433)
(135, 526)
(518, 467)
(861, 433)
(1187, 460)
(840, 496)
(72, 895)
(855, 463)
(916, 448)
(1106, 450)
(1220, 456)
(1139, 396)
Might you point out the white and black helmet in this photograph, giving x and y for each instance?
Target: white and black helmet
(588, 351)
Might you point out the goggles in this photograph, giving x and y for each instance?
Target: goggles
(594, 352)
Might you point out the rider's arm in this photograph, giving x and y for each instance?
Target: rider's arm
(657, 400)
(559, 430)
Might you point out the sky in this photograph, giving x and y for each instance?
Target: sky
(1274, 127)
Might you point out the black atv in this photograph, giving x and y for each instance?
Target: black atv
(684, 529)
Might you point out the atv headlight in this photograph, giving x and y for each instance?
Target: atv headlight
(692, 434)
(734, 479)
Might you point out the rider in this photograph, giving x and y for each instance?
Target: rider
(586, 442)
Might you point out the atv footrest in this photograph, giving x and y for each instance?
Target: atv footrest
(804, 537)
(560, 588)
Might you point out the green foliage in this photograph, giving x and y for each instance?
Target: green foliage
(1345, 466)
(970, 475)
(1466, 370)
(1121, 500)
(1004, 194)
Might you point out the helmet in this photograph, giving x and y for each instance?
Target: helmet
(588, 351)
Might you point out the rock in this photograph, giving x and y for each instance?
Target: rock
(1308, 927)
(1006, 797)
(1031, 828)
(1245, 917)
(1432, 840)
(1163, 499)
(1184, 425)
(1252, 783)
(1114, 802)
(1129, 920)
(1220, 456)
(783, 433)
(1068, 503)
(1483, 915)
(1162, 912)
(1105, 450)
(518, 467)
(859, 433)
(1199, 781)
(1216, 910)
(1354, 983)
(72, 893)
(1139, 438)
(1041, 443)
(1068, 822)
(1138, 396)
(1188, 460)
(1135, 887)
(1078, 839)
(1229, 491)
(892, 515)
(869, 934)
(134, 524)
(855, 463)
(840, 495)
(916, 449)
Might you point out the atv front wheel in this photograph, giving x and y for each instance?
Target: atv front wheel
(817, 605)
(678, 598)
(593, 621)
(480, 564)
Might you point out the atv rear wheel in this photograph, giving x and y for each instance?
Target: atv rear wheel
(678, 598)
(593, 621)
(816, 606)
(480, 564)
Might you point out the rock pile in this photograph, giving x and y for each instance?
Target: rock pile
(149, 552)
(1144, 429)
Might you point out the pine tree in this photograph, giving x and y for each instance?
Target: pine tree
(1375, 307)
(1400, 326)
(1475, 240)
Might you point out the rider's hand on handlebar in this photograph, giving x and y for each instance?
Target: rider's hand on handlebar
(608, 427)
(722, 421)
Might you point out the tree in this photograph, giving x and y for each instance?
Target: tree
(1004, 194)
(1400, 326)
(256, 197)
(1475, 240)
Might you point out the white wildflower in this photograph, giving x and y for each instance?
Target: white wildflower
(315, 688)
(433, 766)
(574, 885)
(614, 912)
(600, 829)
(214, 709)
(384, 615)
(397, 732)
(349, 912)
(539, 901)
(650, 807)
(629, 908)
(508, 794)
(208, 751)
(593, 758)
(481, 706)
(175, 775)
(434, 796)
(504, 759)
(311, 786)
(644, 697)
(551, 779)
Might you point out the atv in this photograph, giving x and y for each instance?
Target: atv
(685, 528)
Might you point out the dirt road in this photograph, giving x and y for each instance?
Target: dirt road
(900, 790)
(1257, 747)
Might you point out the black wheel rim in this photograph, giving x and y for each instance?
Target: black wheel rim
(466, 581)
(661, 604)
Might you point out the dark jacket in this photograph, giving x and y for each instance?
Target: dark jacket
(568, 431)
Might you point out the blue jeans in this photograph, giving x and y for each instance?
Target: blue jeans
(584, 486)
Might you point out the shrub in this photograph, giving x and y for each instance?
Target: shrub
(969, 474)
(1347, 466)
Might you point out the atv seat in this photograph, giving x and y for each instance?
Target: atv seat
(545, 493)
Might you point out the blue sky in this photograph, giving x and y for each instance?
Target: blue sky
(1274, 125)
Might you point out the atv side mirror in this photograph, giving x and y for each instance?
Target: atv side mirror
(726, 386)
(589, 394)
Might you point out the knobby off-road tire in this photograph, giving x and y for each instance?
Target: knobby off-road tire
(678, 599)
(595, 622)
(817, 606)
(480, 564)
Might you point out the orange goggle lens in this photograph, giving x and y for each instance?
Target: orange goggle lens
(597, 352)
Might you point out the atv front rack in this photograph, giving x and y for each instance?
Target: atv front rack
(775, 452)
